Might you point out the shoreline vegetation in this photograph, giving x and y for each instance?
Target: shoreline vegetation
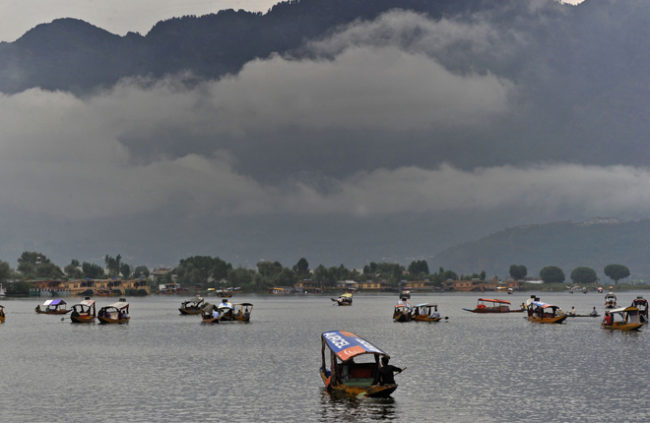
(36, 275)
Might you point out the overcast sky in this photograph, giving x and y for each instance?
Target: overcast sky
(399, 119)
(117, 16)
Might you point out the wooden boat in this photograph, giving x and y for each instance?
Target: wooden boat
(192, 306)
(642, 304)
(405, 294)
(116, 313)
(2, 314)
(625, 319)
(539, 312)
(84, 312)
(426, 313)
(344, 299)
(226, 312)
(610, 300)
(56, 306)
(344, 377)
(402, 313)
(493, 305)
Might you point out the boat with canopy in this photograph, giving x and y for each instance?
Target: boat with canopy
(344, 299)
(425, 313)
(116, 313)
(84, 312)
(226, 312)
(610, 300)
(624, 318)
(539, 312)
(642, 304)
(402, 313)
(493, 305)
(192, 306)
(55, 306)
(345, 377)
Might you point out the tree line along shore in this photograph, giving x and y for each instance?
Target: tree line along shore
(197, 274)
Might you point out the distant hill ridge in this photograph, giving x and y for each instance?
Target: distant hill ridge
(70, 54)
(594, 243)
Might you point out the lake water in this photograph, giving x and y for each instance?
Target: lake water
(164, 367)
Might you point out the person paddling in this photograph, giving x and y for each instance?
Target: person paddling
(386, 371)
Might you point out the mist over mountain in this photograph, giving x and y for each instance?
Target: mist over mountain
(340, 130)
(566, 245)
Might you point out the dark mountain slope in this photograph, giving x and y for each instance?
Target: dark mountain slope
(69, 54)
(564, 244)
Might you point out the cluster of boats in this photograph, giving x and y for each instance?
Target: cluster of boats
(216, 313)
(85, 311)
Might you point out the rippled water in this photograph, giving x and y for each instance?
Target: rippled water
(164, 367)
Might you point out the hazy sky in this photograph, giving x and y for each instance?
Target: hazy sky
(385, 126)
(117, 16)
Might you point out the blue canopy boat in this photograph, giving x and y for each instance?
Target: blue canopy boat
(347, 378)
(56, 306)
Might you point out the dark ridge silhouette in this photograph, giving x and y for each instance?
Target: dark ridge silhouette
(69, 54)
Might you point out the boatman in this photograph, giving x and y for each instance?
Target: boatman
(386, 372)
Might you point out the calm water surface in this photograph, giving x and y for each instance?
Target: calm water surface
(163, 367)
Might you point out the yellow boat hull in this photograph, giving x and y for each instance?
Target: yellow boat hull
(622, 326)
(343, 390)
(556, 319)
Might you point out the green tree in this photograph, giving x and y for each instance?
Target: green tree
(125, 270)
(584, 275)
(73, 270)
(141, 272)
(201, 269)
(302, 268)
(5, 271)
(617, 272)
(518, 272)
(552, 274)
(113, 265)
(92, 270)
(418, 267)
(241, 277)
(32, 264)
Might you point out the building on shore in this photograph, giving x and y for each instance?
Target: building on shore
(89, 287)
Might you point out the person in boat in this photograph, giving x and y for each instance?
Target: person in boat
(573, 311)
(435, 314)
(593, 312)
(608, 318)
(215, 313)
(405, 302)
(386, 371)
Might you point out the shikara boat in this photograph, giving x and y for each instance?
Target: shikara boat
(493, 305)
(192, 306)
(539, 312)
(402, 313)
(624, 318)
(610, 300)
(405, 294)
(226, 312)
(642, 304)
(344, 299)
(2, 314)
(116, 313)
(56, 306)
(345, 377)
(425, 313)
(84, 312)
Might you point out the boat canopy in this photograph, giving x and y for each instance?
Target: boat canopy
(87, 302)
(543, 305)
(623, 309)
(245, 304)
(492, 300)
(346, 295)
(347, 345)
(427, 305)
(55, 302)
(119, 305)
